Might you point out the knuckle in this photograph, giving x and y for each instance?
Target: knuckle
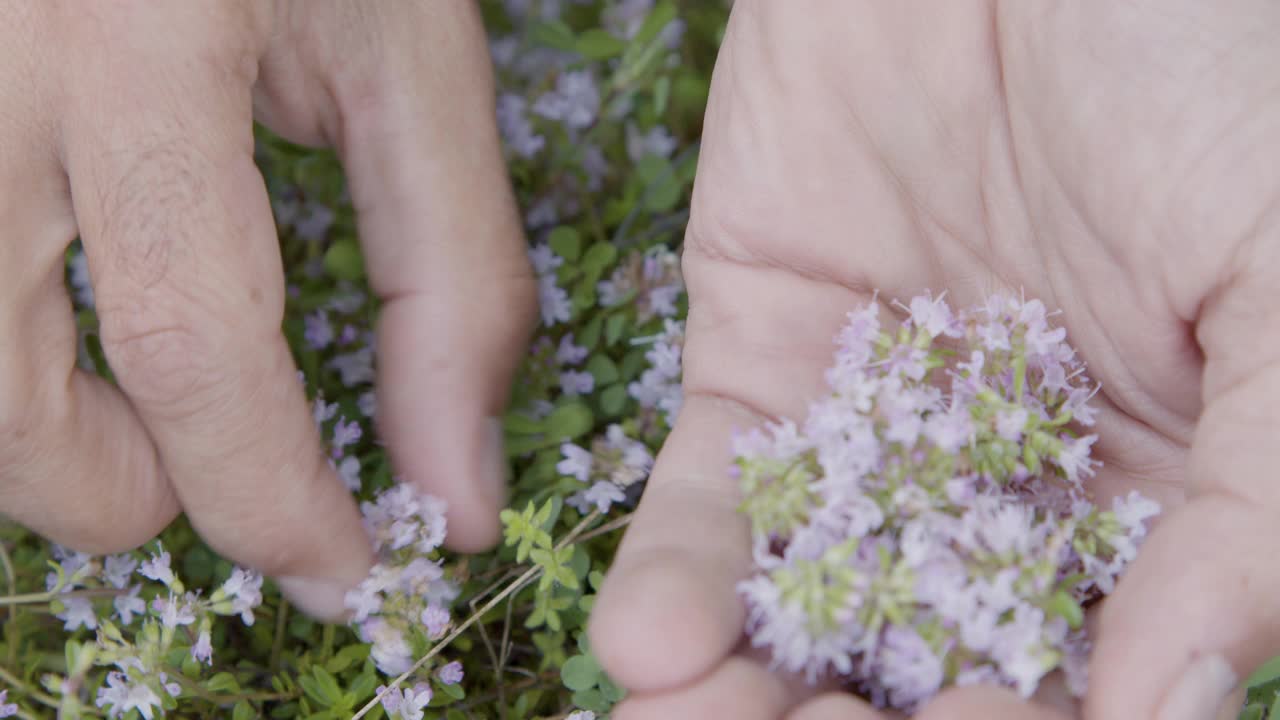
(162, 364)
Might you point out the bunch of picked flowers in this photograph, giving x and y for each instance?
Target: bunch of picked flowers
(926, 525)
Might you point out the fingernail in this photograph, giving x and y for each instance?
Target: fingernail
(1201, 691)
(321, 599)
(494, 467)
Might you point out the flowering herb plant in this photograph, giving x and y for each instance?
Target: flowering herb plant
(599, 104)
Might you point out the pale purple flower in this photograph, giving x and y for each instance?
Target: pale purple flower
(576, 463)
(363, 600)
(553, 301)
(202, 650)
(1009, 423)
(367, 404)
(157, 567)
(436, 620)
(574, 102)
(316, 223)
(175, 611)
(451, 673)
(7, 709)
(601, 496)
(995, 337)
(655, 141)
(122, 693)
(933, 316)
(517, 132)
(117, 569)
(77, 612)
(595, 165)
(129, 605)
(322, 412)
(909, 669)
(568, 353)
(390, 651)
(577, 382)
(406, 703)
(244, 589)
(345, 433)
(545, 260)
(1074, 458)
(542, 212)
(317, 330)
(355, 367)
(348, 470)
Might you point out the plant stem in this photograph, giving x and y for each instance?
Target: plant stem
(16, 683)
(277, 643)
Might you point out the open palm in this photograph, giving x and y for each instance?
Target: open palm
(1117, 160)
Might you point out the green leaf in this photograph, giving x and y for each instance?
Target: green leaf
(362, 687)
(553, 34)
(661, 92)
(590, 333)
(1066, 607)
(580, 672)
(321, 687)
(591, 699)
(603, 369)
(520, 424)
(243, 711)
(662, 13)
(346, 657)
(566, 242)
(1270, 670)
(613, 329)
(223, 682)
(343, 261)
(613, 400)
(598, 258)
(1252, 712)
(455, 692)
(597, 44)
(611, 692)
(569, 422)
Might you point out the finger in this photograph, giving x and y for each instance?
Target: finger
(175, 215)
(46, 404)
(1192, 616)
(1196, 611)
(739, 688)
(444, 247)
(987, 703)
(669, 610)
(835, 706)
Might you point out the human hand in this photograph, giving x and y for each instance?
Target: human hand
(1116, 160)
(130, 124)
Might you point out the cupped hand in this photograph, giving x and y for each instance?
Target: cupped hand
(130, 125)
(1117, 160)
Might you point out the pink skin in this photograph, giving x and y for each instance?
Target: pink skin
(1115, 159)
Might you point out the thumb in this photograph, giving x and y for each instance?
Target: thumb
(444, 250)
(1197, 611)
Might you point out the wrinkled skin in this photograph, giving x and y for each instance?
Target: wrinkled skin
(1117, 160)
(130, 124)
